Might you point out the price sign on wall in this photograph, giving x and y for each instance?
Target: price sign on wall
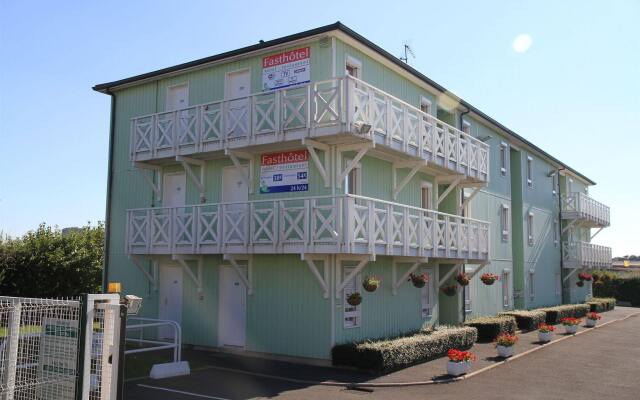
(286, 69)
(286, 171)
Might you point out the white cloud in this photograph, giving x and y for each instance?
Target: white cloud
(522, 43)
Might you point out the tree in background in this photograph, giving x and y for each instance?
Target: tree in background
(48, 263)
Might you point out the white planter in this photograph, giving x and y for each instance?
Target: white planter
(505, 351)
(571, 328)
(458, 368)
(591, 323)
(545, 336)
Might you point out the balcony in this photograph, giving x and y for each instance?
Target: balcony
(579, 206)
(585, 255)
(332, 111)
(344, 224)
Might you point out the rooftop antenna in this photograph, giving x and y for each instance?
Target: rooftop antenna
(407, 52)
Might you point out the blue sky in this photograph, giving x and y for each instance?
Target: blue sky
(574, 92)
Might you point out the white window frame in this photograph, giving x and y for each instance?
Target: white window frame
(168, 90)
(504, 222)
(424, 101)
(354, 63)
(529, 170)
(429, 189)
(468, 304)
(349, 311)
(426, 294)
(466, 127)
(532, 289)
(502, 158)
(357, 173)
(506, 288)
(570, 185)
(530, 229)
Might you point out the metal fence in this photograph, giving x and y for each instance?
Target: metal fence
(63, 349)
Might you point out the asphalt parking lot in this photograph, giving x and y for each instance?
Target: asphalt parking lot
(603, 363)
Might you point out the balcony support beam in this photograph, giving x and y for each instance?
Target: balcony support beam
(362, 149)
(187, 162)
(364, 260)
(598, 231)
(468, 199)
(451, 186)
(156, 187)
(246, 279)
(323, 279)
(152, 276)
(477, 270)
(415, 167)
(235, 159)
(456, 268)
(322, 166)
(570, 274)
(197, 277)
(569, 225)
(399, 282)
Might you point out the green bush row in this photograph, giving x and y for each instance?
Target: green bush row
(527, 320)
(621, 286)
(602, 304)
(555, 314)
(490, 327)
(392, 354)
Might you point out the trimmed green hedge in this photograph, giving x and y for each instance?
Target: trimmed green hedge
(490, 327)
(622, 286)
(527, 320)
(555, 314)
(602, 304)
(392, 354)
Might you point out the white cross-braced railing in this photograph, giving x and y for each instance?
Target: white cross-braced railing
(578, 254)
(580, 206)
(336, 106)
(326, 224)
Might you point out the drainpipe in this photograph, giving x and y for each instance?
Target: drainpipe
(462, 114)
(560, 236)
(112, 129)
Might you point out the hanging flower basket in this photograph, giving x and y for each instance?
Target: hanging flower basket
(371, 283)
(489, 279)
(354, 299)
(584, 276)
(419, 280)
(580, 283)
(450, 290)
(462, 278)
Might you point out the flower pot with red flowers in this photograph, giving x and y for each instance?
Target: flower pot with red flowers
(354, 299)
(419, 280)
(570, 324)
(580, 283)
(505, 344)
(462, 279)
(592, 319)
(371, 283)
(459, 362)
(584, 276)
(545, 332)
(489, 279)
(450, 290)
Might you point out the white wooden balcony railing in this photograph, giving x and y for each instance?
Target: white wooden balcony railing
(585, 255)
(331, 224)
(332, 107)
(577, 205)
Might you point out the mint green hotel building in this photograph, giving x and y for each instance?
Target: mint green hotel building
(250, 194)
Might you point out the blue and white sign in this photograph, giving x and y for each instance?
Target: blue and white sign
(286, 171)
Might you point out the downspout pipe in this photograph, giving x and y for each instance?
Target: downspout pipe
(107, 220)
(460, 118)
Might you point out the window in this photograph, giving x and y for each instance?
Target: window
(504, 222)
(466, 127)
(426, 196)
(464, 195)
(556, 232)
(504, 148)
(590, 289)
(506, 294)
(570, 186)
(353, 67)
(467, 298)
(529, 171)
(425, 105)
(554, 183)
(426, 295)
(351, 313)
(353, 181)
(530, 228)
(532, 291)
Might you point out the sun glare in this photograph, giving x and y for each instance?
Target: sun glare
(522, 43)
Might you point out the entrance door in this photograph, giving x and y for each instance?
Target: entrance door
(174, 190)
(234, 189)
(237, 88)
(233, 307)
(177, 97)
(170, 306)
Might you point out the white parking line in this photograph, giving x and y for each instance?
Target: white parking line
(204, 396)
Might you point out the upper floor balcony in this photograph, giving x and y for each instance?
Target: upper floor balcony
(344, 224)
(332, 111)
(579, 206)
(585, 255)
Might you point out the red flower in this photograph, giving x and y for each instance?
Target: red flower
(460, 356)
(544, 328)
(593, 316)
(568, 321)
(506, 339)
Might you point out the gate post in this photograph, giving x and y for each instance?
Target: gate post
(82, 341)
(11, 349)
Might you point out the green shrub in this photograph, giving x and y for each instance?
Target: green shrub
(527, 320)
(621, 286)
(490, 327)
(392, 354)
(602, 304)
(555, 314)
